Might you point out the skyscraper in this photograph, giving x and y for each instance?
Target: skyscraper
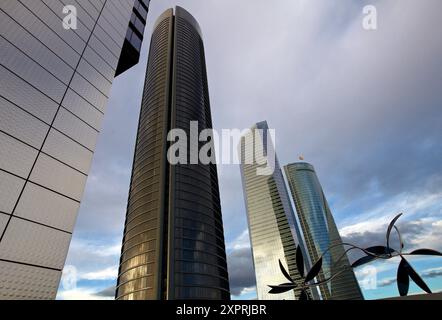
(272, 228)
(173, 245)
(320, 233)
(58, 59)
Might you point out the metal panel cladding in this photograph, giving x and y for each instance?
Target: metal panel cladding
(54, 86)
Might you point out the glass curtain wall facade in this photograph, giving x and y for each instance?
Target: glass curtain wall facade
(273, 232)
(173, 244)
(320, 233)
(54, 85)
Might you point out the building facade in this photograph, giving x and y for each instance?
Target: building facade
(320, 233)
(54, 84)
(173, 245)
(273, 232)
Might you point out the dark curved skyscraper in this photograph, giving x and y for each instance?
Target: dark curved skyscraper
(173, 246)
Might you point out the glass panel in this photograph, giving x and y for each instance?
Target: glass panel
(141, 10)
(133, 17)
(146, 2)
(136, 41)
(129, 33)
(139, 25)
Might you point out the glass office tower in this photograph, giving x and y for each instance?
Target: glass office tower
(320, 233)
(273, 232)
(173, 245)
(54, 85)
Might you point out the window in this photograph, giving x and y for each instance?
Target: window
(137, 23)
(141, 9)
(136, 41)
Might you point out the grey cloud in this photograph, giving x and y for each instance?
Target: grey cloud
(413, 234)
(241, 273)
(386, 282)
(427, 274)
(93, 256)
(432, 274)
(108, 292)
(409, 231)
(370, 118)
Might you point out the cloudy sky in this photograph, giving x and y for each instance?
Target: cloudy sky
(364, 107)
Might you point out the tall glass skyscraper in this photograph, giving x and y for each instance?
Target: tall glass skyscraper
(56, 75)
(173, 245)
(320, 233)
(273, 232)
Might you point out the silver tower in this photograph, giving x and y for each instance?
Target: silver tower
(272, 228)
